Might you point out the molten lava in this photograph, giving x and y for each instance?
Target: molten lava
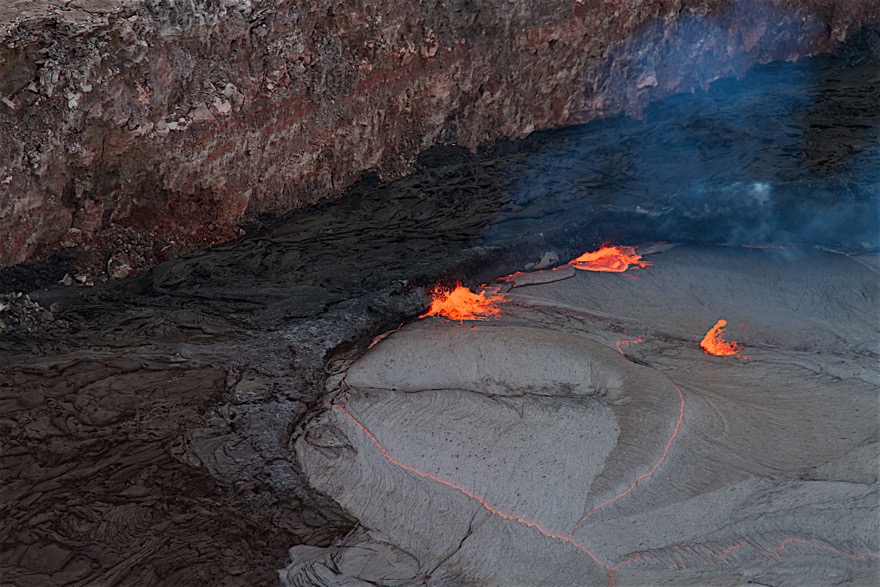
(463, 304)
(713, 344)
(610, 259)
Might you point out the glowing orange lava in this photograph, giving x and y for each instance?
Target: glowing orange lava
(610, 259)
(713, 344)
(463, 304)
(385, 335)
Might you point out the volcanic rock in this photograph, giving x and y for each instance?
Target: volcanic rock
(185, 120)
(520, 279)
(118, 268)
(547, 259)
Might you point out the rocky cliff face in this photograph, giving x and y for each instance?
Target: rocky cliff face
(161, 122)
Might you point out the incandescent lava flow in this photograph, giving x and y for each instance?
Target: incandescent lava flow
(714, 344)
(463, 304)
(610, 259)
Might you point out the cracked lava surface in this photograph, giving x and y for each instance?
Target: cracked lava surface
(584, 438)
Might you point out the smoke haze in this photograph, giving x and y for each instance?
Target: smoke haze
(789, 154)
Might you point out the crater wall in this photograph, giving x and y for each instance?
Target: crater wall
(176, 125)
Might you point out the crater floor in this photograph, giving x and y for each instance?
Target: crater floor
(584, 437)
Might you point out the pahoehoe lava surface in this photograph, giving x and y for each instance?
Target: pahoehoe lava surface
(146, 425)
(657, 464)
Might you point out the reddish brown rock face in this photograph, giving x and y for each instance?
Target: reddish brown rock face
(183, 123)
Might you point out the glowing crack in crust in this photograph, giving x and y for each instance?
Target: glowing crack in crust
(644, 475)
(507, 516)
(708, 555)
(568, 539)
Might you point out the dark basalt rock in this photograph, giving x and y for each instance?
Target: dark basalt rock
(159, 121)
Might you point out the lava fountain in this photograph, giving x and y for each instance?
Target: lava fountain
(714, 344)
(463, 304)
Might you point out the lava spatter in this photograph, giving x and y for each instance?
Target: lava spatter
(462, 304)
(610, 259)
(714, 344)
